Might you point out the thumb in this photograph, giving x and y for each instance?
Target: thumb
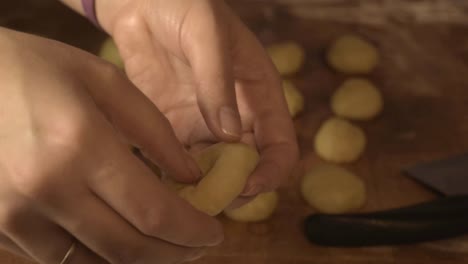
(206, 46)
(138, 119)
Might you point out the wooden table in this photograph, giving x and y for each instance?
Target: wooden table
(424, 78)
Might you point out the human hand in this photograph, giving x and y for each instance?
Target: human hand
(210, 77)
(67, 174)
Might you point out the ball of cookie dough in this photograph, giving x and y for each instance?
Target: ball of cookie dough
(259, 209)
(352, 55)
(338, 140)
(333, 190)
(294, 98)
(288, 57)
(357, 99)
(110, 53)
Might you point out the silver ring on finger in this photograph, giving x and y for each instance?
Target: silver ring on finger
(69, 253)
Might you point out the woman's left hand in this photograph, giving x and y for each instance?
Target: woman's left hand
(209, 75)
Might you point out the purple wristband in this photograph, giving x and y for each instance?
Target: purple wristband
(89, 7)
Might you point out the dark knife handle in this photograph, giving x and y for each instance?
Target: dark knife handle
(435, 220)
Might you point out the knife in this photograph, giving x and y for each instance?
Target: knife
(442, 218)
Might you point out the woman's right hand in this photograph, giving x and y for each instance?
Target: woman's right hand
(67, 173)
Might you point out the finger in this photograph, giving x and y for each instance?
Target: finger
(129, 187)
(105, 232)
(275, 167)
(43, 240)
(272, 125)
(206, 46)
(8, 245)
(139, 120)
(240, 201)
(275, 139)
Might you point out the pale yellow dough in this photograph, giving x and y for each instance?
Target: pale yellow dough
(110, 53)
(294, 98)
(352, 54)
(338, 140)
(333, 190)
(288, 57)
(357, 99)
(226, 168)
(259, 209)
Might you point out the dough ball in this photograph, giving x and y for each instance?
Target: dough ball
(333, 190)
(259, 209)
(288, 57)
(294, 98)
(357, 99)
(110, 53)
(337, 140)
(353, 55)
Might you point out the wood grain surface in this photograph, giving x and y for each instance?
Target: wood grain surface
(423, 76)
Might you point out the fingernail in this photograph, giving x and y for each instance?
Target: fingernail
(230, 122)
(252, 190)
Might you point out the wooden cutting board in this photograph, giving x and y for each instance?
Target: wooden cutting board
(423, 76)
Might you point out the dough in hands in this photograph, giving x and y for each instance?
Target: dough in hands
(294, 98)
(226, 168)
(338, 140)
(288, 57)
(333, 190)
(357, 99)
(352, 54)
(259, 209)
(110, 53)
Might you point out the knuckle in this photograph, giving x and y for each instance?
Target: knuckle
(65, 131)
(36, 188)
(32, 182)
(107, 172)
(38, 174)
(151, 221)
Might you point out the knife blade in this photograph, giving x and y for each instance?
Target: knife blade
(434, 220)
(447, 177)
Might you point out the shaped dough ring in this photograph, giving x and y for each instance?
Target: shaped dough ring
(259, 209)
(226, 168)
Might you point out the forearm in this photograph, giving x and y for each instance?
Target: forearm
(104, 10)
